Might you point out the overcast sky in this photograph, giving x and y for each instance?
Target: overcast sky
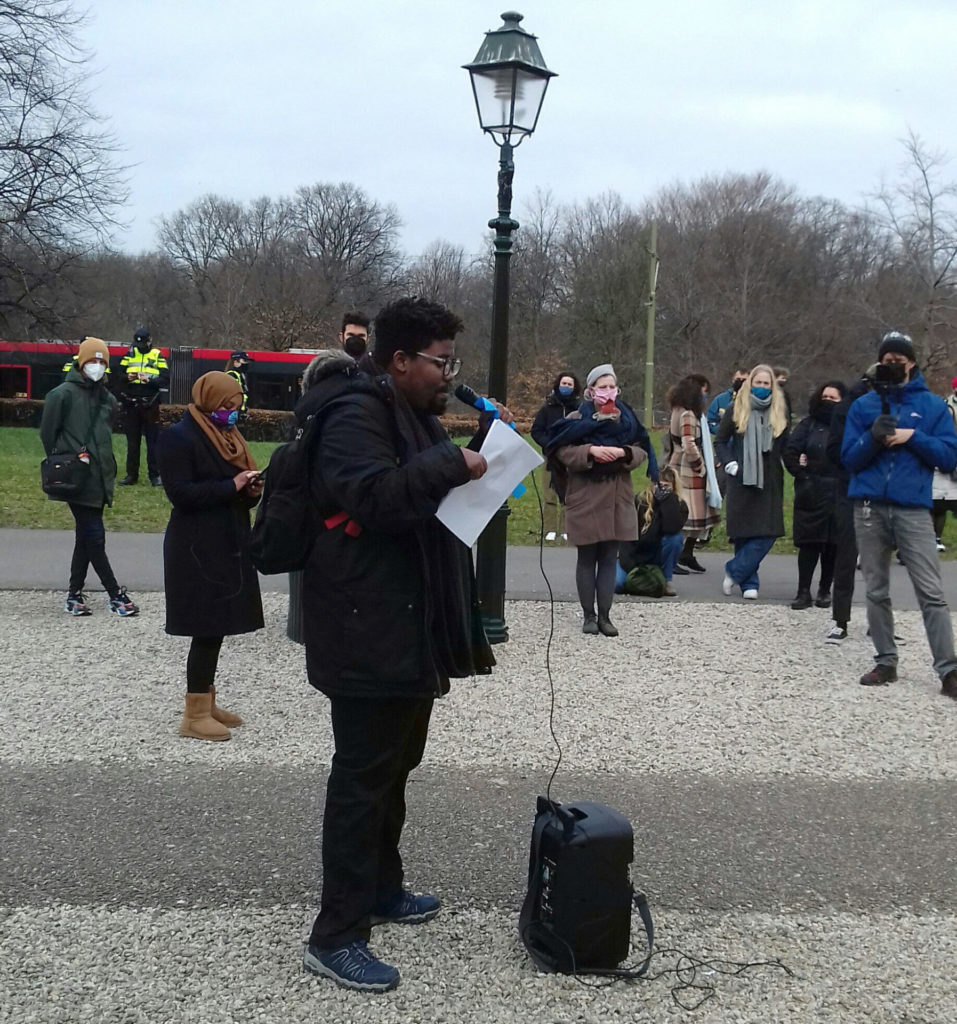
(247, 98)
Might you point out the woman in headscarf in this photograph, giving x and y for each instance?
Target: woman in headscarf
(563, 400)
(816, 489)
(212, 590)
(600, 445)
(750, 443)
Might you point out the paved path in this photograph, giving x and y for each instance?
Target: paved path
(39, 560)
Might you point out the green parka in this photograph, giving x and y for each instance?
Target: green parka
(75, 411)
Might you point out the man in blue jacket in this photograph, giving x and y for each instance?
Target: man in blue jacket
(722, 401)
(894, 438)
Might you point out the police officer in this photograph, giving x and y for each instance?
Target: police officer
(143, 374)
(236, 368)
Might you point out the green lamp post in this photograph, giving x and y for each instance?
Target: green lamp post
(509, 79)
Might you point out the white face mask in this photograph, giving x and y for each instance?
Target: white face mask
(94, 371)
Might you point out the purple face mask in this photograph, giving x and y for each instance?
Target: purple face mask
(224, 418)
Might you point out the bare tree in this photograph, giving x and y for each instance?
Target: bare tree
(920, 210)
(59, 187)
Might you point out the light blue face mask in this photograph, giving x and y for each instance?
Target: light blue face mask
(564, 389)
(224, 419)
(761, 393)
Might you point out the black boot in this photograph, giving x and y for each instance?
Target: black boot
(590, 625)
(605, 626)
(802, 601)
(127, 481)
(823, 599)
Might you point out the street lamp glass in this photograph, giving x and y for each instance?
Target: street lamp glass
(508, 100)
(509, 79)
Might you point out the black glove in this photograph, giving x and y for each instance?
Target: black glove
(883, 426)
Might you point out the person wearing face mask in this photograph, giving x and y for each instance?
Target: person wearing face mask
(77, 418)
(750, 443)
(600, 444)
(724, 399)
(212, 589)
(354, 334)
(144, 373)
(662, 513)
(564, 399)
(237, 367)
(817, 487)
(894, 439)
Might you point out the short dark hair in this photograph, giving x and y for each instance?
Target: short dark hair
(567, 373)
(411, 325)
(359, 319)
(686, 394)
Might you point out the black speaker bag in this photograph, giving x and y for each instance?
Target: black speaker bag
(576, 918)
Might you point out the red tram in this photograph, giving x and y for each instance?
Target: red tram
(29, 369)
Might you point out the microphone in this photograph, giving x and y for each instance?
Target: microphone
(465, 394)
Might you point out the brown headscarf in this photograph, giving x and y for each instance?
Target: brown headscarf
(211, 392)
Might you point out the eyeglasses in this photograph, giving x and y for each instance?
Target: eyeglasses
(450, 365)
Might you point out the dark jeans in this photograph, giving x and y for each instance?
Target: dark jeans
(140, 422)
(201, 663)
(378, 743)
(668, 551)
(748, 555)
(89, 548)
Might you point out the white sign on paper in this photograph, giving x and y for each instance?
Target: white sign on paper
(466, 510)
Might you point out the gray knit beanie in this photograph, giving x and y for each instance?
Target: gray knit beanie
(602, 370)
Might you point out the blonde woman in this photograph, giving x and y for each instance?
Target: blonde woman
(662, 513)
(750, 443)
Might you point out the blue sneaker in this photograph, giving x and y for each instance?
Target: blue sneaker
(122, 605)
(76, 605)
(407, 908)
(351, 966)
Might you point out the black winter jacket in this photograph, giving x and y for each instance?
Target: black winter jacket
(212, 588)
(751, 511)
(368, 600)
(816, 485)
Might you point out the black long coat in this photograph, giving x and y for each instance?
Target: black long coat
(750, 511)
(816, 485)
(212, 588)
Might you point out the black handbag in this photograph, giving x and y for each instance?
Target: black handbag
(63, 474)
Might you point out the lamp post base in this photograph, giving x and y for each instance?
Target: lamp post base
(495, 629)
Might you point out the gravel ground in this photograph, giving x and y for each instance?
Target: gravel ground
(721, 689)
(63, 965)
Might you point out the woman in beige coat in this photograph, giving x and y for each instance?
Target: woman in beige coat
(600, 445)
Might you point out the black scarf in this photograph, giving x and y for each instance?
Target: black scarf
(458, 637)
(625, 430)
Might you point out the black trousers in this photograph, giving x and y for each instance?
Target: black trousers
(141, 421)
(378, 743)
(845, 561)
(89, 548)
(201, 663)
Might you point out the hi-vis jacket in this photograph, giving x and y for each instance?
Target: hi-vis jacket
(240, 379)
(152, 364)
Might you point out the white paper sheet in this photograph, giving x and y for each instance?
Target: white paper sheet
(466, 510)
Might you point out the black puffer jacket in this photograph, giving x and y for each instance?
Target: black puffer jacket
(369, 600)
(816, 485)
(556, 408)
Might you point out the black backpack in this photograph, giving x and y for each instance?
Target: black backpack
(287, 519)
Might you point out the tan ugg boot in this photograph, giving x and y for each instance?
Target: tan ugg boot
(225, 717)
(198, 723)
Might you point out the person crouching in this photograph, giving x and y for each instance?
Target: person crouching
(662, 513)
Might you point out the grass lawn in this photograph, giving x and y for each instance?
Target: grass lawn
(145, 509)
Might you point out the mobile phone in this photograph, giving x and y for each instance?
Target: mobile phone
(890, 374)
